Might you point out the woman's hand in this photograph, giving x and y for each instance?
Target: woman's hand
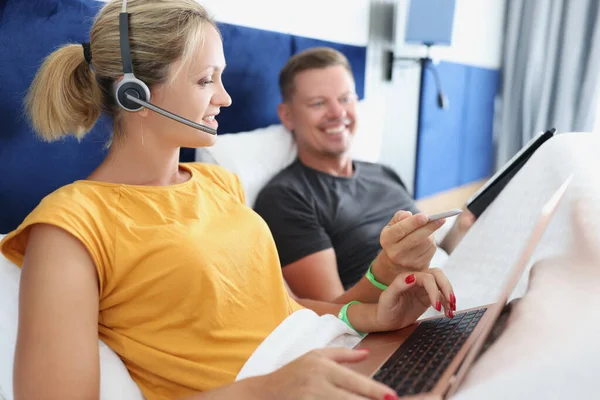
(405, 300)
(410, 295)
(320, 375)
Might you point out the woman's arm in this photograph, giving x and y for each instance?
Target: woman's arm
(57, 343)
(319, 374)
(249, 389)
(401, 304)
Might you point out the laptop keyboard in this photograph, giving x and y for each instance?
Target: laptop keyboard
(417, 365)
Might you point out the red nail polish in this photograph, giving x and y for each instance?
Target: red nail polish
(390, 397)
(451, 313)
(452, 298)
(453, 306)
(438, 305)
(410, 278)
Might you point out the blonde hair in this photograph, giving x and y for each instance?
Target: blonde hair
(313, 58)
(68, 95)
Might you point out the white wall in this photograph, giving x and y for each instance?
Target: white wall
(476, 40)
(342, 21)
(476, 37)
(477, 34)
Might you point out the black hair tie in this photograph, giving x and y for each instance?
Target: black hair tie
(87, 52)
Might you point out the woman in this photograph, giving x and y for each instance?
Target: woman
(161, 260)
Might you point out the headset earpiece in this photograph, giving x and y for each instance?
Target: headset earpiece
(131, 93)
(129, 85)
(134, 87)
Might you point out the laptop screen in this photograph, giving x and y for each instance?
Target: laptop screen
(546, 214)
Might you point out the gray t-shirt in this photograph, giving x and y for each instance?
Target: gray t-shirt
(309, 211)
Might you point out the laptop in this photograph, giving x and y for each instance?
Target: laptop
(430, 358)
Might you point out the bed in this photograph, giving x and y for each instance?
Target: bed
(30, 169)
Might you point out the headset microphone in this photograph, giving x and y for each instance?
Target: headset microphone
(131, 93)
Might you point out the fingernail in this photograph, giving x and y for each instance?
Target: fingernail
(390, 396)
(410, 278)
(438, 305)
(364, 350)
(452, 298)
(451, 313)
(453, 306)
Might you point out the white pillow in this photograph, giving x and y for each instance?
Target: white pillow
(115, 381)
(254, 156)
(9, 300)
(257, 156)
(366, 145)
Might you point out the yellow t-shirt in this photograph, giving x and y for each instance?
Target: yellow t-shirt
(190, 281)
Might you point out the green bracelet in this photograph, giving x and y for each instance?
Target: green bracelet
(344, 317)
(372, 279)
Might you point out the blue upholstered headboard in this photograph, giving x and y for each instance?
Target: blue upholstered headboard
(30, 30)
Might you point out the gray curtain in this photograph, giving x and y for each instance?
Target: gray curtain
(550, 70)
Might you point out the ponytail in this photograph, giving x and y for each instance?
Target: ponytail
(64, 97)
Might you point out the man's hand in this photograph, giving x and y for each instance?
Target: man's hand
(408, 245)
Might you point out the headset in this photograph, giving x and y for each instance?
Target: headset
(131, 93)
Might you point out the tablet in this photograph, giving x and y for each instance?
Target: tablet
(478, 203)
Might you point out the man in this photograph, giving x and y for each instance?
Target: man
(329, 214)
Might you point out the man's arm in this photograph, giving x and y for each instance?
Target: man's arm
(307, 255)
(305, 249)
(316, 277)
(408, 245)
